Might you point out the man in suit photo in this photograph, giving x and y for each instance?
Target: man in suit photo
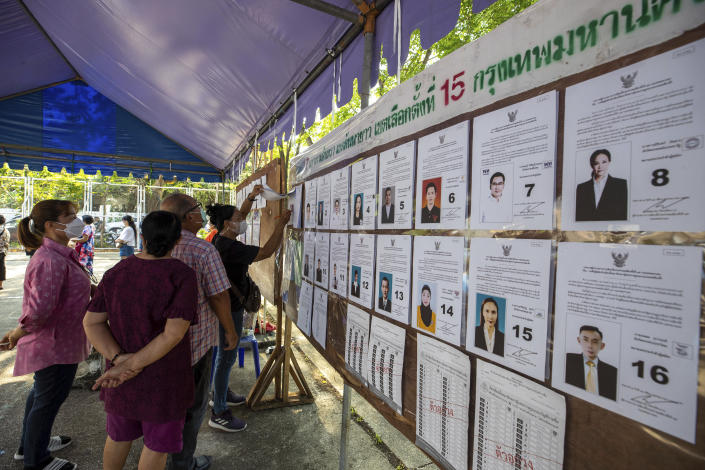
(384, 302)
(602, 197)
(319, 220)
(487, 335)
(306, 266)
(335, 276)
(496, 207)
(319, 272)
(430, 213)
(355, 287)
(388, 207)
(588, 372)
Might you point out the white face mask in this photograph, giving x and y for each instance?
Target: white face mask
(74, 229)
(238, 227)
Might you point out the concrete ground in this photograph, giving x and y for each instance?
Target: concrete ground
(298, 437)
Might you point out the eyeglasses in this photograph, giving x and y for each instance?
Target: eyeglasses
(194, 207)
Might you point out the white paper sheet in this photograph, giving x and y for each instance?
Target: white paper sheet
(442, 179)
(513, 165)
(305, 304)
(294, 205)
(256, 226)
(339, 194)
(309, 211)
(319, 321)
(396, 187)
(393, 277)
(309, 266)
(642, 306)
(442, 402)
(509, 289)
(357, 333)
(650, 118)
(338, 281)
(271, 195)
(386, 362)
(363, 193)
(519, 424)
(322, 257)
(438, 284)
(362, 269)
(323, 201)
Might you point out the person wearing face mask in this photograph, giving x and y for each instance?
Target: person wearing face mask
(127, 238)
(4, 246)
(50, 339)
(237, 258)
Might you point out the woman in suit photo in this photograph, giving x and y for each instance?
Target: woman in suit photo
(357, 215)
(487, 335)
(602, 197)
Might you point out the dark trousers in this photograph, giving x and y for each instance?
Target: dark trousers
(51, 387)
(3, 272)
(194, 415)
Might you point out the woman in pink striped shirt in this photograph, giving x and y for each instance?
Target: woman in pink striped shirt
(50, 338)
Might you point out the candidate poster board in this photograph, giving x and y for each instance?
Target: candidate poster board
(396, 187)
(393, 280)
(339, 198)
(363, 194)
(361, 276)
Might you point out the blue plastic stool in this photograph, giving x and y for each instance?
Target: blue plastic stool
(255, 352)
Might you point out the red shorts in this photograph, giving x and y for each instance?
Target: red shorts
(159, 437)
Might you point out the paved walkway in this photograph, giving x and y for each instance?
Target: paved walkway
(300, 437)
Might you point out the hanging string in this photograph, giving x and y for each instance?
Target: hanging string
(340, 72)
(335, 100)
(397, 37)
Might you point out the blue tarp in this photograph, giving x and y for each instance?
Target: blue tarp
(75, 117)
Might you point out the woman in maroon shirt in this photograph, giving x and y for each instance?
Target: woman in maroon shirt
(139, 320)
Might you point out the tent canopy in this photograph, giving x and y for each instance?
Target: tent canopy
(207, 76)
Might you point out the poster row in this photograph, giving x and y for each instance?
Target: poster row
(626, 316)
(633, 150)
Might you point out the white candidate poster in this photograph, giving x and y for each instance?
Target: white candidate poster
(442, 402)
(519, 424)
(362, 269)
(363, 193)
(339, 194)
(256, 225)
(322, 257)
(437, 299)
(309, 256)
(386, 361)
(509, 302)
(394, 277)
(513, 166)
(396, 187)
(319, 321)
(357, 334)
(627, 330)
(442, 179)
(305, 302)
(310, 203)
(323, 201)
(634, 146)
(294, 205)
(338, 281)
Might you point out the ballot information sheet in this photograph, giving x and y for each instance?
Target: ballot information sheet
(509, 299)
(443, 400)
(519, 424)
(323, 201)
(363, 193)
(319, 322)
(309, 251)
(338, 281)
(305, 303)
(322, 256)
(386, 361)
(640, 131)
(294, 205)
(627, 330)
(437, 299)
(442, 179)
(357, 334)
(513, 166)
(310, 203)
(256, 225)
(396, 187)
(393, 281)
(361, 277)
(339, 197)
